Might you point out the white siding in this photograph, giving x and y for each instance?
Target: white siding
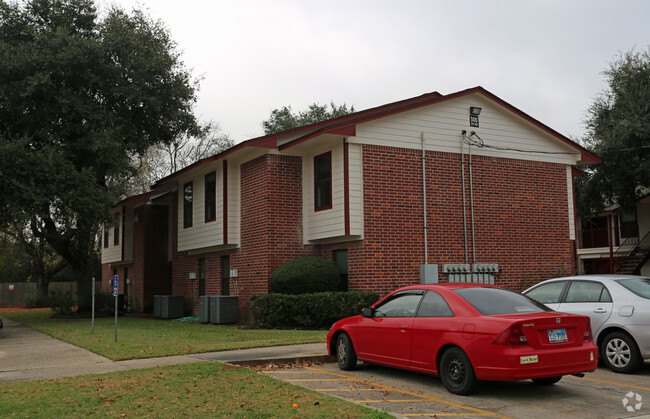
(112, 253)
(234, 204)
(201, 234)
(327, 223)
(355, 167)
(442, 124)
(569, 187)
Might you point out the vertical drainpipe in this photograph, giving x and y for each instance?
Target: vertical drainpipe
(471, 204)
(424, 195)
(462, 172)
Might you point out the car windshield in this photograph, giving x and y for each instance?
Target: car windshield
(490, 301)
(639, 286)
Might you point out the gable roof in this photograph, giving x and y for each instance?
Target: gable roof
(346, 125)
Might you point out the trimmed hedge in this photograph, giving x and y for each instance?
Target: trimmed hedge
(309, 311)
(305, 275)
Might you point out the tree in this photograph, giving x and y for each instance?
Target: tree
(45, 263)
(80, 97)
(284, 118)
(161, 160)
(618, 129)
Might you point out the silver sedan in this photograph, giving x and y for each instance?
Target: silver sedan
(619, 308)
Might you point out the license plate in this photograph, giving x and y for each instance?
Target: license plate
(557, 335)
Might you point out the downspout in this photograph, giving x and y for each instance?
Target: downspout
(462, 171)
(424, 204)
(471, 204)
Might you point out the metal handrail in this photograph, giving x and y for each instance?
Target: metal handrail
(629, 247)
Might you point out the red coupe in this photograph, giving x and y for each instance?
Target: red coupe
(465, 333)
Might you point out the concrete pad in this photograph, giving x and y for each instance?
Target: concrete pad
(27, 354)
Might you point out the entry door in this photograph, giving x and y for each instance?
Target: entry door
(386, 336)
(225, 275)
(589, 298)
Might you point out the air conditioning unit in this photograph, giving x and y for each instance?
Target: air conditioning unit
(168, 306)
(224, 309)
(204, 309)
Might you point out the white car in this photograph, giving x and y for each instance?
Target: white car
(619, 308)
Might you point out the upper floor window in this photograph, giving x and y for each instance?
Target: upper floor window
(105, 235)
(188, 196)
(116, 229)
(210, 196)
(323, 181)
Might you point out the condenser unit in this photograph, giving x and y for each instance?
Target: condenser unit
(224, 309)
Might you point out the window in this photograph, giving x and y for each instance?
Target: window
(548, 293)
(433, 305)
(116, 229)
(489, 301)
(323, 181)
(105, 235)
(629, 225)
(187, 205)
(211, 196)
(639, 286)
(400, 305)
(588, 292)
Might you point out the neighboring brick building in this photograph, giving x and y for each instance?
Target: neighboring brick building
(499, 204)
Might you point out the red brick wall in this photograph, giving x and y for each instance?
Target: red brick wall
(271, 221)
(521, 217)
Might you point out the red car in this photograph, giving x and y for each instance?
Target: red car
(465, 333)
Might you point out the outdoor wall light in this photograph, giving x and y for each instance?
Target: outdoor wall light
(474, 110)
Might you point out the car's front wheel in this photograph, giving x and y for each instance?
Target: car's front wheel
(620, 353)
(345, 354)
(457, 373)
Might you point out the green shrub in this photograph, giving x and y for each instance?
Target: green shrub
(61, 302)
(305, 274)
(34, 300)
(309, 311)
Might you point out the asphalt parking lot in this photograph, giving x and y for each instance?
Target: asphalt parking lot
(601, 394)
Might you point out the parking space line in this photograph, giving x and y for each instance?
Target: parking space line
(611, 382)
(419, 396)
(392, 401)
(298, 380)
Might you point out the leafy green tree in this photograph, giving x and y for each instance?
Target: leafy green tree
(45, 263)
(618, 129)
(80, 96)
(161, 160)
(284, 118)
(14, 261)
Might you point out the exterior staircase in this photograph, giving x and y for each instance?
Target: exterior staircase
(633, 260)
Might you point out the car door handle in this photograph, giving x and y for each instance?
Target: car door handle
(600, 310)
(404, 326)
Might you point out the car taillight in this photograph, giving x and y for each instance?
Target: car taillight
(512, 336)
(588, 335)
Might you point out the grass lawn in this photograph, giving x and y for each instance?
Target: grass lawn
(201, 389)
(147, 337)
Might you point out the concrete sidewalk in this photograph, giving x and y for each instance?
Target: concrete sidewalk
(26, 354)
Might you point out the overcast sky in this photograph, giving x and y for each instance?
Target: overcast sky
(545, 57)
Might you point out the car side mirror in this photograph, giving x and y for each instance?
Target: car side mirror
(367, 312)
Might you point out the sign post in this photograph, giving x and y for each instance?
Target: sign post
(115, 284)
(92, 328)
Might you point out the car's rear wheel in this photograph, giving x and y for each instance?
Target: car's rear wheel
(547, 381)
(457, 373)
(345, 354)
(620, 353)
